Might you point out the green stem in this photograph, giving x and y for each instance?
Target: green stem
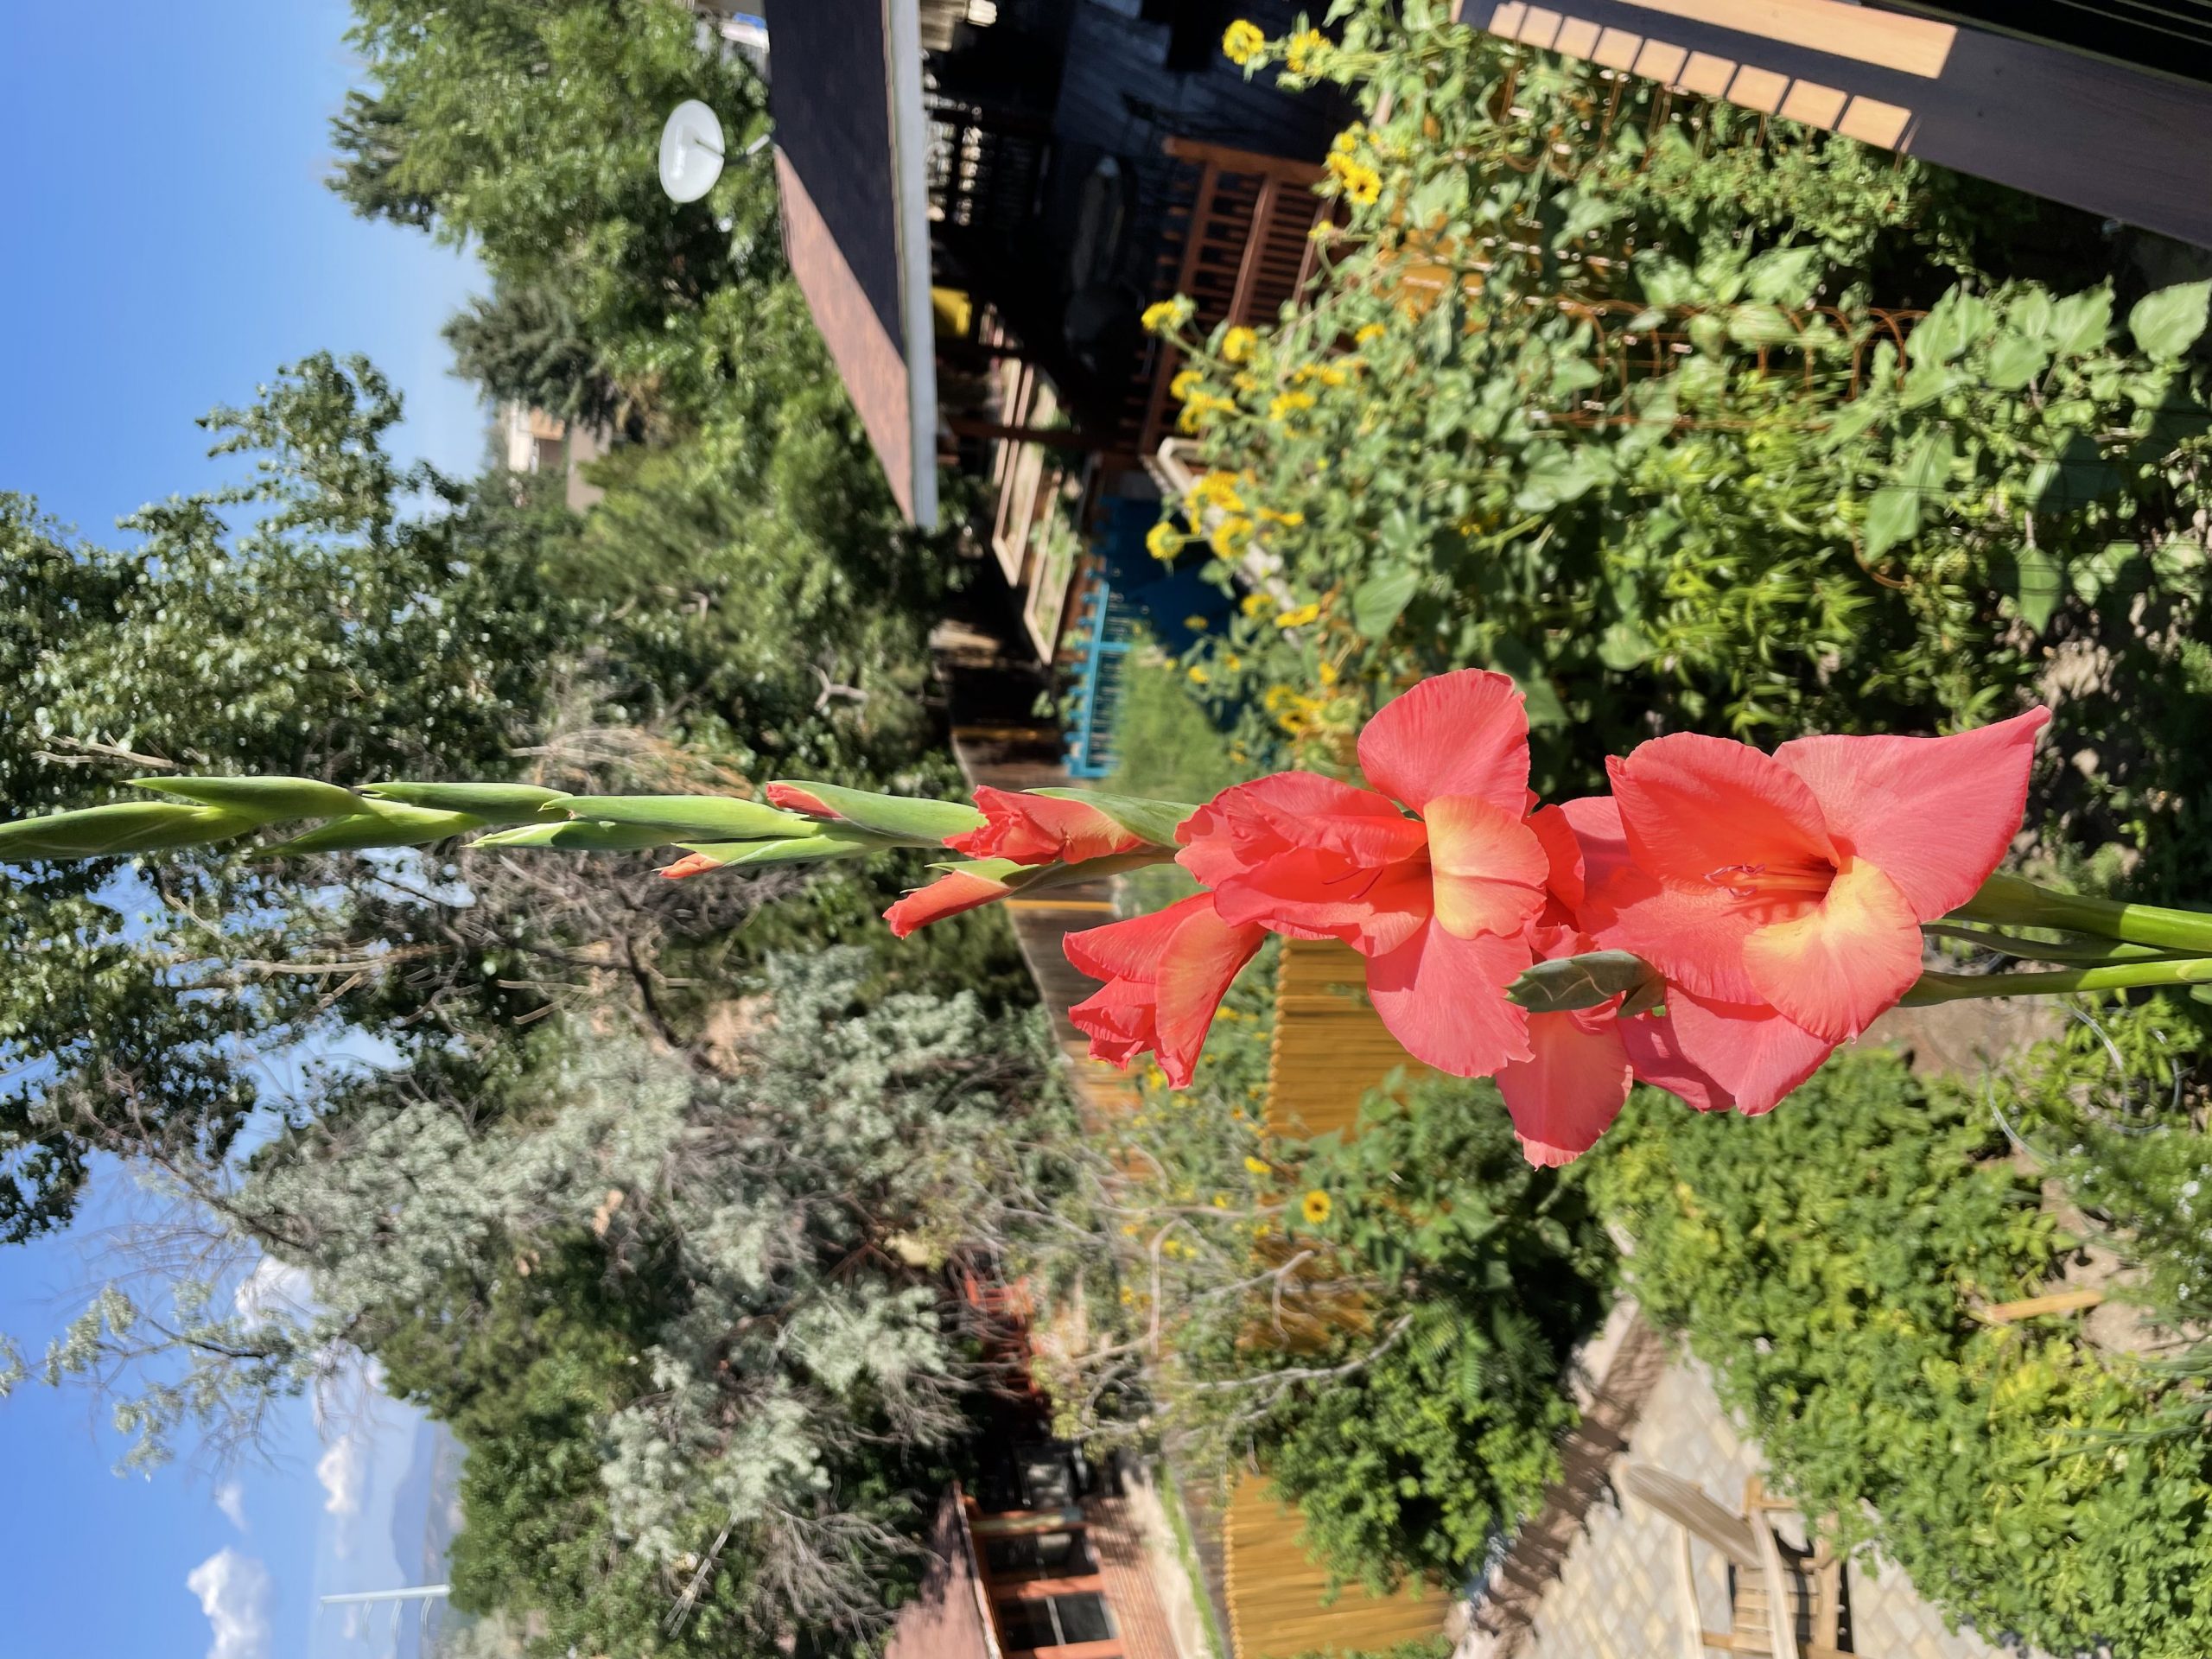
(2089, 953)
(1966, 987)
(2007, 898)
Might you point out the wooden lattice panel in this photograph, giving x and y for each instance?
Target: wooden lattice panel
(1278, 1598)
(1329, 1046)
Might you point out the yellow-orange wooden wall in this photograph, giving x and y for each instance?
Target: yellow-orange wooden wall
(1329, 1051)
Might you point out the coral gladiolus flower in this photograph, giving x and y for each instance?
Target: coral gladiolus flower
(1042, 830)
(1576, 1080)
(1164, 974)
(950, 895)
(1439, 903)
(1782, 895)
(792, 798)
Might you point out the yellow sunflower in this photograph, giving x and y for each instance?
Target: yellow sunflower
(1163, 541)
(1299, 616)
(1243, 41)
(1165, 316)
(1299, 52)
(1231, 536)
(1287, 404)
(1236, 345)
(1316, 1207)
(1185, 382)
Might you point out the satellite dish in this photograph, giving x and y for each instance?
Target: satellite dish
(691, 151)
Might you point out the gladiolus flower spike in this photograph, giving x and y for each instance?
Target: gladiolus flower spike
(1714, 927)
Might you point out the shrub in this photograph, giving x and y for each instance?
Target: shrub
(1825, 1262)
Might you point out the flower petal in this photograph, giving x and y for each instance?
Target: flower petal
(1488, 867)
(1459, 734)
(1041, 830)
(1301, 808)
(1691, 931)
(1833, 969)
(948, 895)
(1443, 999)
(1121, 1020)
(1596, 821)
(1569, 1090)
(1752, 1051)
(1654, 1049)
(1563, 854)
(1307, 895)
(1935, 813)
(1205, 955)
(1131, 949)
(1693, 806)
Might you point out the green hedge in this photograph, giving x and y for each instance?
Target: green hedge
(1825, 1260)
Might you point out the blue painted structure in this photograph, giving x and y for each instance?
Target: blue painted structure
(1126, 588)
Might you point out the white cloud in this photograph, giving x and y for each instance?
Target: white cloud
(344, 1474)
(230, 1498)
(234, 1592)
(274, 1293)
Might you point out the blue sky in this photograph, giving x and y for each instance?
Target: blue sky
(125, 312)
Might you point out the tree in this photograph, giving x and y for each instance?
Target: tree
(529, 130)
(693, 1328)
(343, 634)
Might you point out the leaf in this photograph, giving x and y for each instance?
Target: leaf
(1571, 984)
(797, 849)
(2080, 323)
(1556, 475)
(388, 826)
(1624, 646)
(1892, 516)
(720, 817)
(1153, 820)
(580, 835)
(1760, 324)
(493, 803)
(1927, 466)
(2167, 323)
(2015, 360)
(2035, 587)
(1536, 689)
(268, 800)
(1856, 418)
(1379, 601)
(115, 831)
(1783, 276)
(2028, 310)
(926, 823)
(1955, 322)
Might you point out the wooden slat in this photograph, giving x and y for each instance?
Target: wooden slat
(1330, 1047)
(1277, 1595)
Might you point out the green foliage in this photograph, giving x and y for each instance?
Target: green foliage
(1411, 1463)
(1594, 393)
(1824, 1261)
(1383, 1319)
(689, 1323)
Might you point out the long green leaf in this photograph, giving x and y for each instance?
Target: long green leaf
(692, 817)
(801, 850)
(115, 831)
(493, 803)
(388, 826)
(926, 823)
(269, 800)
(581, 836)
